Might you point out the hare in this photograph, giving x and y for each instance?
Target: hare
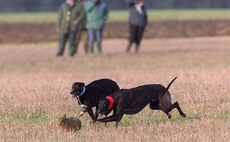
(69, 124)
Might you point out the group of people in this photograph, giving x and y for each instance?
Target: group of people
(84, 20)
(81, 20)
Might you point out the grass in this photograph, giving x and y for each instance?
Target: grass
(36, 17)
(25, 116)
(35, 85)
(122, 15)
(224, 116)
(177, 14)
(151, 119)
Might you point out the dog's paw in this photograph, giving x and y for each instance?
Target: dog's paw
(183, 115)
(81, 113)
(169, 116)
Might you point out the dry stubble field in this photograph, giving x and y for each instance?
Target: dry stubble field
(34, 90)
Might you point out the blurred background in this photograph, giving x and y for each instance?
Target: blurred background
(34, 21)
(50, 5)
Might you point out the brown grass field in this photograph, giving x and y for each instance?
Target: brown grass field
(35, 85)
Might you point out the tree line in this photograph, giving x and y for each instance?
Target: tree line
(52, 5)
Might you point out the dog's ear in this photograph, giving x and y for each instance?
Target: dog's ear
(78, 84)
(75, 84)
(103, 97)
(82, 84)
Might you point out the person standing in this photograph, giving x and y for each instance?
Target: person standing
(81, 27)
(138, 20)
(97, 14)
(66, 27)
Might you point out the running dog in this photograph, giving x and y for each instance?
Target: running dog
(88, 96)
(132, 101)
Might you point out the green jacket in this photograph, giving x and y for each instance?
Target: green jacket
(96, 15)
(67, 15)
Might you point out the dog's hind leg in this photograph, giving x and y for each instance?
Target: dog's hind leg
(176, 105)
(156, 106)
(165, 103)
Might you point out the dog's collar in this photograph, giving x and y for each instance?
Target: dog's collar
(82, 91)
(111, 102)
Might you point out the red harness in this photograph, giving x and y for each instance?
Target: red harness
(111, 102)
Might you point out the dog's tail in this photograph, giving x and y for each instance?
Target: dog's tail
(171, 83)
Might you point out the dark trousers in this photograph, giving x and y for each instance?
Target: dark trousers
(82, 36)
(136, 34)
(62, 42)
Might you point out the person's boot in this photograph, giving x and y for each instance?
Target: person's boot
(71, 54)
(137, 48)
(61, 47)
(86, 47)
(91, 48)
(72, 51)
(128, 47)
(58, 55)
(60, 51)
(99, 48)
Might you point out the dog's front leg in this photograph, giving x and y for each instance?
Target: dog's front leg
(96, 114)
(116, 118)
(91, 114)
(119, 120)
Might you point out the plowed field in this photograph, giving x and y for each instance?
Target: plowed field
(33, 32)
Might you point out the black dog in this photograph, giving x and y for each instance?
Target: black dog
(88, 96)
(132, 101)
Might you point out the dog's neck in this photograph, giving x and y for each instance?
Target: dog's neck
(83, 91)
(79, 100)
(111, 102)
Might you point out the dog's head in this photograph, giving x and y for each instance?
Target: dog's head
(105, 105)
(77, 89)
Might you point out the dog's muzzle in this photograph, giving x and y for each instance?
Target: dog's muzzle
(73, 93)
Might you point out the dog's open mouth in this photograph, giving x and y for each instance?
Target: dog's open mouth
(74, 95)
